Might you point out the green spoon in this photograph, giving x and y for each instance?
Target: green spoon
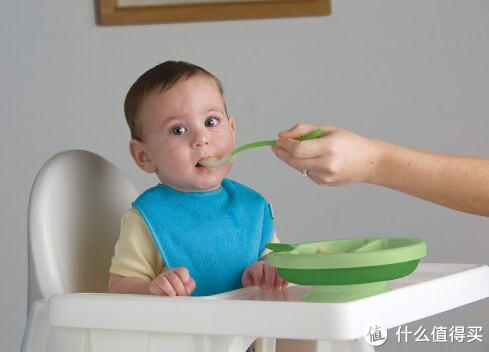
(230, 157)
(279, 247)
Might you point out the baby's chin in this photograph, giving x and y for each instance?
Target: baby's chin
(200, 180)
(197, 186)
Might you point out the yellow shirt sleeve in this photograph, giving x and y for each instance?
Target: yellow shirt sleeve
(136, 254)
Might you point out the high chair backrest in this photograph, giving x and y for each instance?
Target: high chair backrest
(75, 208)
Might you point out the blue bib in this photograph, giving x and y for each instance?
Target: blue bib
(215, 234)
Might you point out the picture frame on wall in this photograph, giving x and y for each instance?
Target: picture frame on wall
(126, 12)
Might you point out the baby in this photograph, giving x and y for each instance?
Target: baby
(196, 232)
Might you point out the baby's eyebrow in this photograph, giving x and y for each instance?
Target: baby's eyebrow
(214, 109)
(170, 119)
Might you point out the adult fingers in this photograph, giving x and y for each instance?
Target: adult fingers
(307, 149)
(317, 170)
(297, 163)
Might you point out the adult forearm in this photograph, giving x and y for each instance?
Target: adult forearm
(457, 182)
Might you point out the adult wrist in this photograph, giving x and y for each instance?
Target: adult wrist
(378, 158)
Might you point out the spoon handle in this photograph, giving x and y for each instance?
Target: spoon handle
(279, 247)
(311, 135)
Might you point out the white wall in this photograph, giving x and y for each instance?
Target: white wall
(412, 72)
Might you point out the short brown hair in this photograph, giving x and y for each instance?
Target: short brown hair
(161, 77)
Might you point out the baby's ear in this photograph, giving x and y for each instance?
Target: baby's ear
(232, 124)
(140, 156)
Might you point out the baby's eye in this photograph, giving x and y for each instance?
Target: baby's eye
(211, 122)
(179, 130)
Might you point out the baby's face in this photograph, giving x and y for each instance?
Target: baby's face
(184, 125)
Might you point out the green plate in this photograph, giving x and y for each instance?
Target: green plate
(348, 269)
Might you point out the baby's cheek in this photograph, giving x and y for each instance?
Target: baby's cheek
(227, 168)
(228, 144)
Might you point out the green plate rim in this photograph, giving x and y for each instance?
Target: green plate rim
(416, 250)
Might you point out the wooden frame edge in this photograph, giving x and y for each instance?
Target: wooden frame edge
(110, 14)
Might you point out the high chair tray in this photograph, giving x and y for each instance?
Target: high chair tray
(431, 289)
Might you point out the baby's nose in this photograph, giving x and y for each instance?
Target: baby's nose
(201, 143)
(201, 140)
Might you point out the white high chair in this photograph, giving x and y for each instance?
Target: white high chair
(74, 213)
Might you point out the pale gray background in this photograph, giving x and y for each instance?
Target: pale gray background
(411, 72)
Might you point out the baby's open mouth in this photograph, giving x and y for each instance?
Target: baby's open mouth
(207, 159)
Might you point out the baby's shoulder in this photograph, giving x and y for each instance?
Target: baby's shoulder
(131, 213)
(132, 216)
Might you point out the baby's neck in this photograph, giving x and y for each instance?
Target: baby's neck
(191, 190)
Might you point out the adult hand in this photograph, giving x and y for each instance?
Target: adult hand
(336, 158)
(173, 282)
(261, 274)
(341, 157)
